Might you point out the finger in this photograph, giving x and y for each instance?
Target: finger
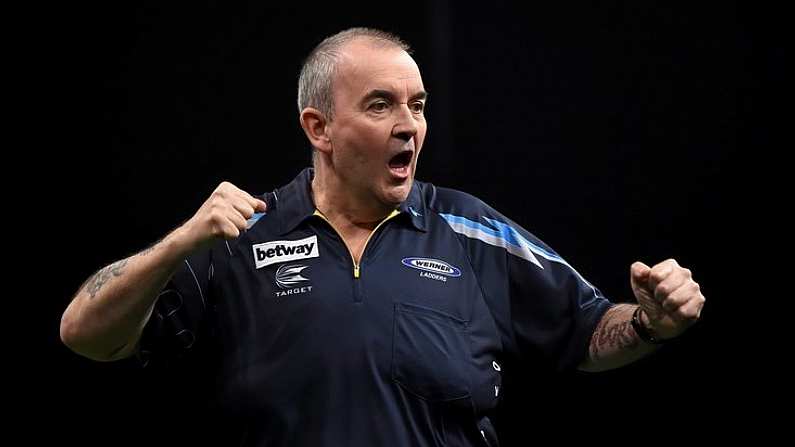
(227, 189)
(639, 270)
(671, 283)
(681, 297)
(691, 311)
(661, 271)
(237, 220)
(260, 206)
(253, 202)
(242, 207)
(638, 275)
(229, 230)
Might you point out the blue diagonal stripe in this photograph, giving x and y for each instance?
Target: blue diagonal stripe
(509, 238)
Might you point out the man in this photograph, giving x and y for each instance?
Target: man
(355, 306)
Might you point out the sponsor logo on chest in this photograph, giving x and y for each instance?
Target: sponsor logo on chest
(275, 252)
(290, 279)
(433, 268)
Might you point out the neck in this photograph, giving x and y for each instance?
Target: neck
(342, 204)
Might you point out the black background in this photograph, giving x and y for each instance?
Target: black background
(612, 131)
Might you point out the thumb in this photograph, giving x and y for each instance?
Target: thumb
(639, 278)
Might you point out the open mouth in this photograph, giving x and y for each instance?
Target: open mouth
(401, 161)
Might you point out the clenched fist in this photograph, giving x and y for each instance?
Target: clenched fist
(668, 295)
(222, 216)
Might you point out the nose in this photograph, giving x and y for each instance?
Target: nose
(406, 125)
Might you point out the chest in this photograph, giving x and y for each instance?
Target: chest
(356, 242)
(410, 313)
(328, 298)
(328, 273)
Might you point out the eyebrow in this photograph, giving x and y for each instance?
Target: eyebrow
(377, 93)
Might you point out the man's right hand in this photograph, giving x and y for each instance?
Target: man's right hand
(105, 319)
(222, 216)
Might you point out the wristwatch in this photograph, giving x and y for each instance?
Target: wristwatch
(641, 330)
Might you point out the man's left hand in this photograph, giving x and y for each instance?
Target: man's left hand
(668, 295)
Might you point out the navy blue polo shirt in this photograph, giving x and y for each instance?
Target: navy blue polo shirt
(309, 349)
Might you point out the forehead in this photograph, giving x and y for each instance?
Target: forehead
(365, 66)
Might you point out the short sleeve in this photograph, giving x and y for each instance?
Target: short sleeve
(554, 310)
(179, 322)
(544, 309)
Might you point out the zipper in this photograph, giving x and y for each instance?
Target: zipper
(356, 265)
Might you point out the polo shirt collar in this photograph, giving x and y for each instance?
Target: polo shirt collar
(294, 204)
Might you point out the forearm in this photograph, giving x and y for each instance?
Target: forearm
(106, 317)
(615, 343)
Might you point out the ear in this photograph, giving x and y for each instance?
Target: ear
(314, 124)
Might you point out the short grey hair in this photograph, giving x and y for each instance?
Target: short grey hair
(320, 67)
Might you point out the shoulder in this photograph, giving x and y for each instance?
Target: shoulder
(478, 222)
(448, 201)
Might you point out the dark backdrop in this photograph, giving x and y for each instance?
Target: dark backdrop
(609, 130)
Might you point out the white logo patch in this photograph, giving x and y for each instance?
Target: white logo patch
(290, 275)
(432, 265)
(283, 251)
(289, 278)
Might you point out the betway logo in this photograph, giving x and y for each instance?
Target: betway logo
(282, 251)
(432, 265)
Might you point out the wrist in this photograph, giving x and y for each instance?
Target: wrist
(641, 325)
(179, 243)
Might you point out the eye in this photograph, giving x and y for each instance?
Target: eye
(379, 106)
(417, 107)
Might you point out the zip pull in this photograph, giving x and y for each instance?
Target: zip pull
(356, 271)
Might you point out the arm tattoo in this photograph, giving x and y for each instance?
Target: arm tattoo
(614, 333)
(147, 251)
(95, 283)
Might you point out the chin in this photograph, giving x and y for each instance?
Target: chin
(394, 196)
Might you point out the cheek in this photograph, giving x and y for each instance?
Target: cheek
(371, 143)
(367, 135)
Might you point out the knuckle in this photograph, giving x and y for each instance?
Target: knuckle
(223, 189)
(216, 201)
(657, 275)
(689, 316)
